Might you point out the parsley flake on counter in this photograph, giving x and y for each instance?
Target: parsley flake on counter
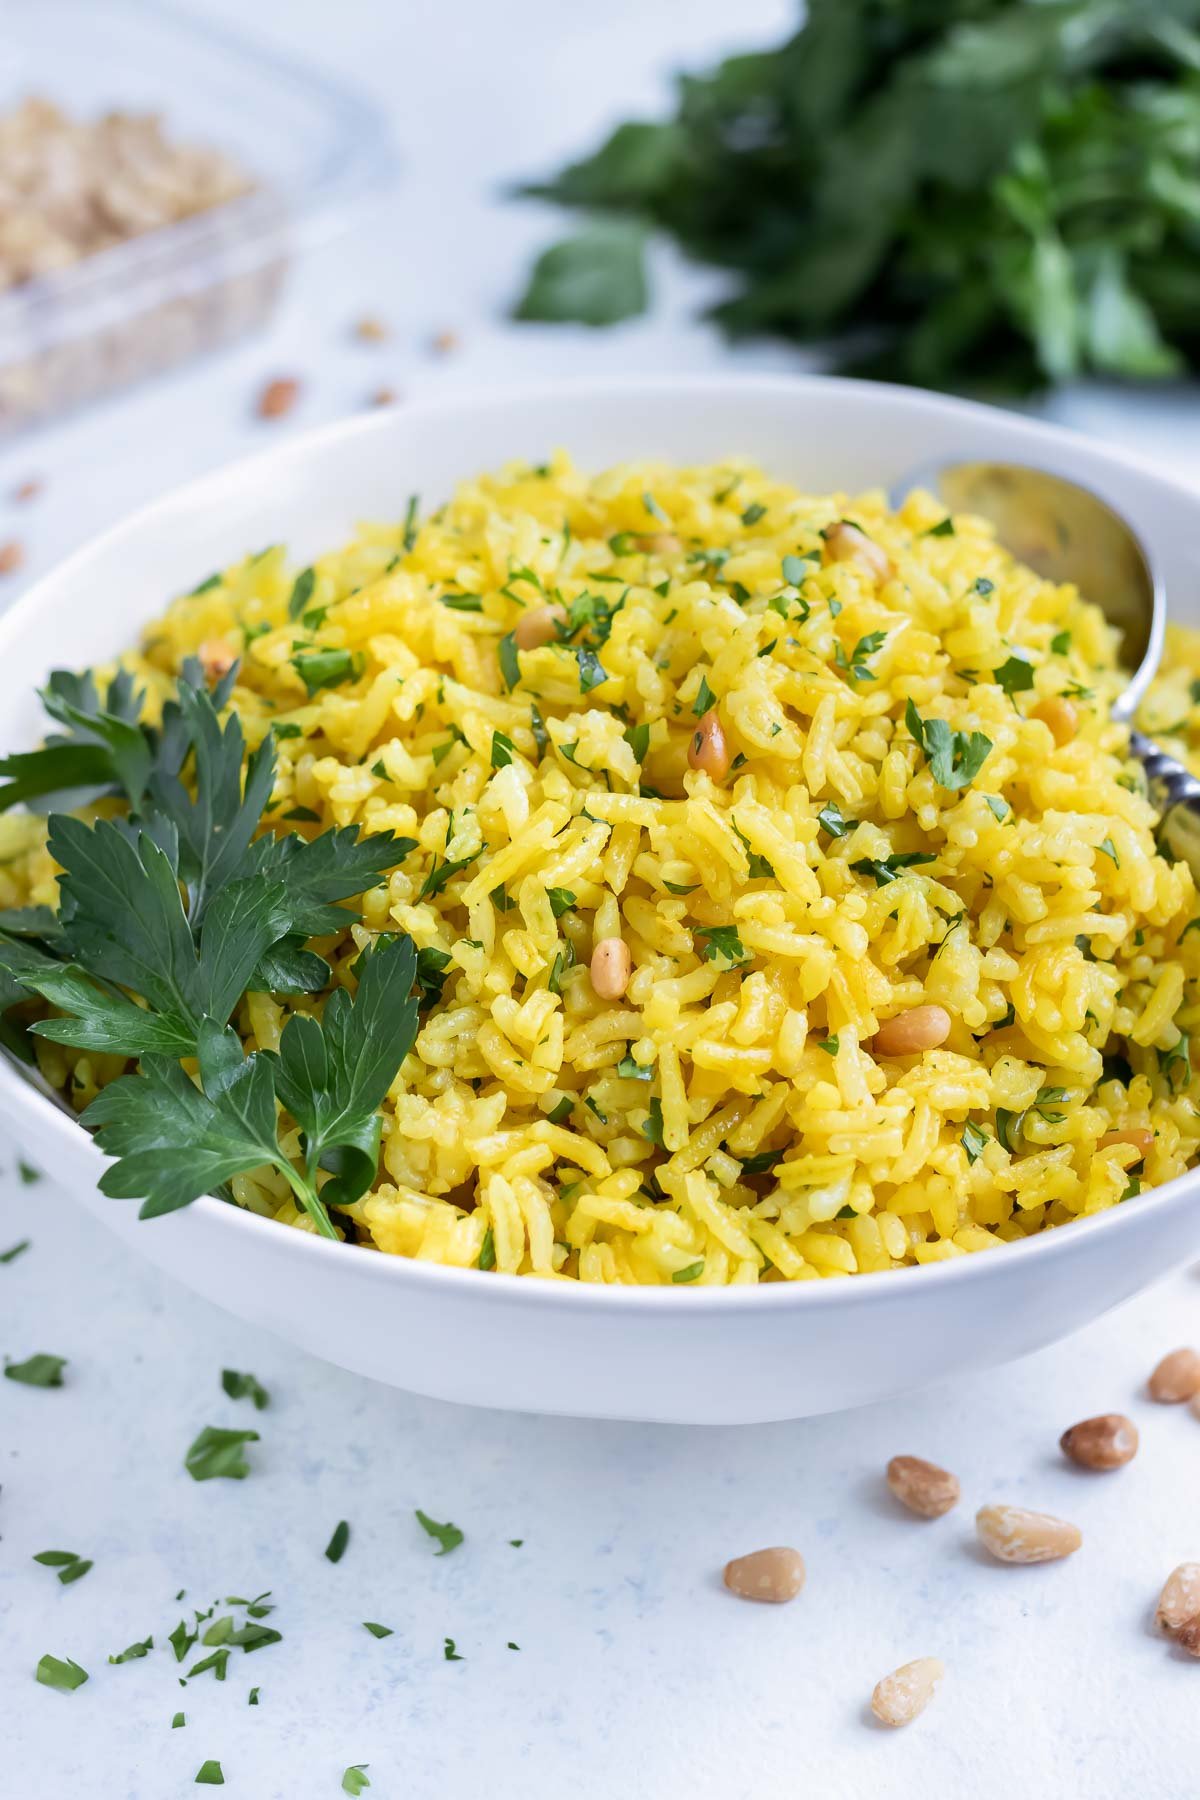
(178, 1722)
(28, 1173)
(448, 1536)
(8, 1256)
(65, 1676)
(181, 1640)
(218, 1452)
(516, 1542)
(511, 1646)
(210, 1775)
(450, 1651)
(40, 1370)
(252, 1697)
(70, 1566)
(335, 1549)
(355, 1778)
(135, 1652)
(244, 1387)
(377, 1631)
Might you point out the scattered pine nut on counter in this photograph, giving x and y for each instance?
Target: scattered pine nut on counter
(1177, 1377)
(901, 1696)
(922, 1486)
(1180, 1599)
(1106, 1442)
(1013, 1534)
(775, 1575)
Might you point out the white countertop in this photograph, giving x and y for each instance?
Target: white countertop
(636, 1675)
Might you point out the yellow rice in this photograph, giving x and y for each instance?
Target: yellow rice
(1047, 926)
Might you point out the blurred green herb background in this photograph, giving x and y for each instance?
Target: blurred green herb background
(957, 193)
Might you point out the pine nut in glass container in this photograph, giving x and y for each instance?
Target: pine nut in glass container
(1180, 1598)
(1108, 1441)
(1013, 1534)
(1060, 715)
(922, 1486)
(708, 749)
(909, 1033)
(844, 542)
(774, 1575)
(538, 626)
(611, 967)
(1177, 1377)
(901, 1696)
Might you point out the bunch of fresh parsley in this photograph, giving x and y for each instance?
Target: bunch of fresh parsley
(990, 193)
(169, 913)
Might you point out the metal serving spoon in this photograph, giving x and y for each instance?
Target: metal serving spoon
(1068, 533)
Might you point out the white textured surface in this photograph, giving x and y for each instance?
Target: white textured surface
(637, 1675)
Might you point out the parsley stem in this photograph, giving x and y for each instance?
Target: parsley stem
(309, 1199)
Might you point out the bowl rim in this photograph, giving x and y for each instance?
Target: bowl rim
(500, 1287)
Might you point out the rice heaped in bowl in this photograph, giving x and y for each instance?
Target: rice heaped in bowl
(817, 765)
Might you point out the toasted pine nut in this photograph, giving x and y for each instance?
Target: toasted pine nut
(1188, 1637)
(28, 490)
(922, 1486)
(384, 396)
(371, 330)
(278, 397)
(1106, 1442)
(708, 749)
(907, 1691)
(660, 543)
(12, 555)
(1013, 1534)
(216, 658)
(920, 1028)
(612, 965)
(1137, 1135)
(1177, 1377)
(1060, 716)
(846, 543)
(538, 626)
(775, 1575)
(1180, 1598)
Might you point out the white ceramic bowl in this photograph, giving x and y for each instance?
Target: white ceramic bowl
(688, 1355)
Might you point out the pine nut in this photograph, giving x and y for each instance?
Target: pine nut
(278, 397)
(216, 658)
(1176, 1378)
(1060, 716)
(1180, 1599)
(909, 1033)
(775, 1575)
(1137, 1135)
(708, 749)
(538, 626)
(1106, 1442)
(660, 543)
(1188, 1637)
(846, 543)
(12, 555)
(922, 1486)
(1015, 1535)
(612, 965)
(907, 1691)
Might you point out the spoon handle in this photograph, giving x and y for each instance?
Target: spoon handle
(1175, 791)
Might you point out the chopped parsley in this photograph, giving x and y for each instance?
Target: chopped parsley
(638, 739)
(377, 1631)
(653, 1127)
(560, 1112)
(302, 589)
(1108, 848)
(37, 1371)
(753, 513)
(442, 873)
(705, 698)
(998, 808)
(561, 900)
(591, 670)
(1060, 643)
(355, 1779)
(448, 1536)
(830, 819)
(65, 1676)
(8, 1256)
(954, 757)
(335, 1549)
(410, 521)
(319, 669)
(135, 1652)
(890, 868)
(28, 1173)
(245, 1387)
(944, 528)
(721, 942)
(510, 666)
(829, 1045)
(654, 509)
(472, 603)
(541, 736)
(629, 1070)
(70, 1567)
(210, 1774)
(450, 1651)
(432, 965)
(217, 1452)
(178, 1722)
(693, 1272)
(1015, 676)
(503, 750)
(974, 1141)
